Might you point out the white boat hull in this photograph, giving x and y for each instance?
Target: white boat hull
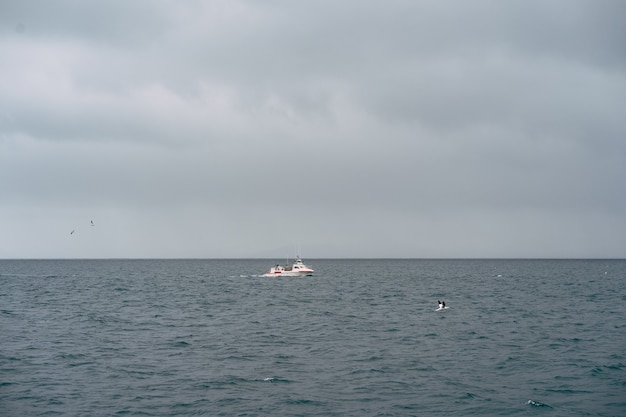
(288, 274)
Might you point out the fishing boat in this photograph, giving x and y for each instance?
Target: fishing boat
(298, 269)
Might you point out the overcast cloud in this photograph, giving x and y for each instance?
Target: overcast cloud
(333, 128)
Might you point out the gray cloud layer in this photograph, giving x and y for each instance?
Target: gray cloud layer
(356, 128)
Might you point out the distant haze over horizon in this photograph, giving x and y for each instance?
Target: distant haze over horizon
(251, 129)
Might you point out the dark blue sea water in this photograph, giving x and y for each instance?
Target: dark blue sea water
(359, 338)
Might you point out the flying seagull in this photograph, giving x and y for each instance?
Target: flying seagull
(72, 232)
(92, 223)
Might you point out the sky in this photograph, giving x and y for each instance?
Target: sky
(328, 129)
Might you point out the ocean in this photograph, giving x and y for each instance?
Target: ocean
(359, 338)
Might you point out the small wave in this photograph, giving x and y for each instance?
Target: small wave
(66, 356)
(54, 401)
(274, 379)
(534, 403)
(570, 391)
(226, 381)
(104, 319)
(304, 401)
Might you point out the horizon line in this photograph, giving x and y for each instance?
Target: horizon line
(312, 258)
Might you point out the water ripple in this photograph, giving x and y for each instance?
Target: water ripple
(179, 338)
